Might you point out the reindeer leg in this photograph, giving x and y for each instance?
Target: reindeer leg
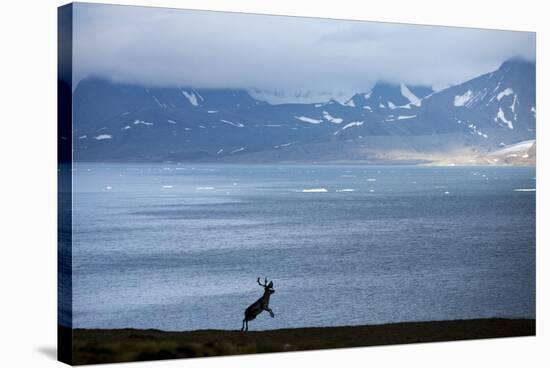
(242, 328)
(246, 325)
(270, 312)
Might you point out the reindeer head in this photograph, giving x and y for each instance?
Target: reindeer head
(268, 288)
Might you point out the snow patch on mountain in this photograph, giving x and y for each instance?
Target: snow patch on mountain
(506, 92)
(406, 92)
(352, 124)
(349, 125)
(158, 102)
(462, 100)
(331, 118)
(305, 119)
(190, 97)
(515, 148)
(350, 103)
(500, 116)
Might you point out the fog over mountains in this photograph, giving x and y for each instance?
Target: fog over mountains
(389, 123)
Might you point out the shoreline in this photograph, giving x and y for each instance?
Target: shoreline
(93, 346)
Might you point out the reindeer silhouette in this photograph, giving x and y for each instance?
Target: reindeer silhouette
(259, 305)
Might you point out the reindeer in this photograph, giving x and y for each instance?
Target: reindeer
(259, 305)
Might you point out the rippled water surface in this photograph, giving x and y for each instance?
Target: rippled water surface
(179, 247)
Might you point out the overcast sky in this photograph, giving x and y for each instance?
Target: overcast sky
(155, 46)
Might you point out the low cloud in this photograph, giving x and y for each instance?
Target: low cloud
(160, 47)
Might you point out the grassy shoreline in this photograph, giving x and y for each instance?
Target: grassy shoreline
(125, 345)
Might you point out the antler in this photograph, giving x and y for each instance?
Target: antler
(265, 282)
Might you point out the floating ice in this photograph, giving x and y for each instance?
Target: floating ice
(283, 145)
(103, 136)
(238, 150)
(238, 125)
(137, 122)
(315, 190)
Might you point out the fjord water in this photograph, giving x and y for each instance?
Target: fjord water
(179, 247)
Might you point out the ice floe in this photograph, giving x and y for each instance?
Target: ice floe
(237, 150)
(103, 136)
(142, 122)
(235, 124)
(283, 145)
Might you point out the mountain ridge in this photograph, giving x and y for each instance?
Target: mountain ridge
(125, 122)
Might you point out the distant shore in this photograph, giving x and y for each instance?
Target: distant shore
(125, 345)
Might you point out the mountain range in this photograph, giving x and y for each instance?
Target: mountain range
(126, 122)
